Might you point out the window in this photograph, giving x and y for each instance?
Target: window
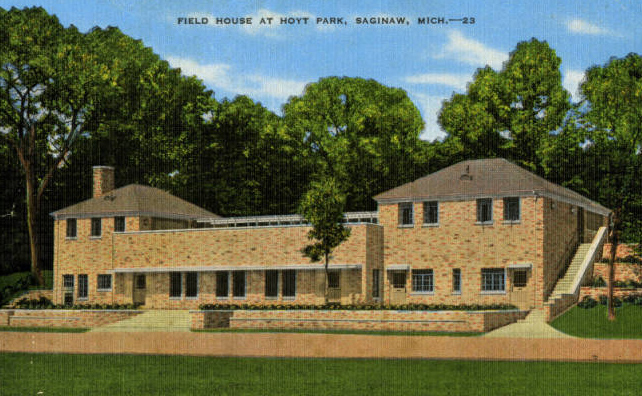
(399, 280)
(456, 280)
(422, 281)
(175, 285)
(271, 284)
(222, 284)
(104, 282)
(72, 229)
(289, 283)
(333, 279)
(68, 281)
(493, 280)
(238, 284)
(96, 227)
(484, 210)
(83, 286)
(405, 213)
(520, 278)
(431, 212)
(376, 274)
(191, 284)
(511, 209)
(119, 224)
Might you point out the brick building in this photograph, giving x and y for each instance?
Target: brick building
(483, 231)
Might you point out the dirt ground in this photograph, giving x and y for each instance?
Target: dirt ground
(303, 345)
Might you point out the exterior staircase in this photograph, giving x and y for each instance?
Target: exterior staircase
(565, 284)
(152, 320)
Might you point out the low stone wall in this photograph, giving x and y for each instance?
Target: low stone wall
(62, 317)
(558, 306)
(376, 320)
(623, 250)
(596, 292)
(33, 295)
(623, 272)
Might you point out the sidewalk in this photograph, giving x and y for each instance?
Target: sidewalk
(302, 345)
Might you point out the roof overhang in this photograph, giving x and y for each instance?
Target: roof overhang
(131, 213)
(237, 268)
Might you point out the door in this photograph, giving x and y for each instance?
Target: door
(397, 287)
(140, 287)
(334, 286)
(519, 288)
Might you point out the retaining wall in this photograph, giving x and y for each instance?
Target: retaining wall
(381, 320)
(62, 317)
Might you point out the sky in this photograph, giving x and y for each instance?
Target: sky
(271, 62)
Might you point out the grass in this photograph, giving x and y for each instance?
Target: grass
(45, 329)
(366, 332)
(30, 374)
(593, 322)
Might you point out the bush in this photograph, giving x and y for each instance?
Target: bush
(599, 282)
(335, 306)
(587, 302)
(45, 303)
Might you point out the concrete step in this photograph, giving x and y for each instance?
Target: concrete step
(166, 320)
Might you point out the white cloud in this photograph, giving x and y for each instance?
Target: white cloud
(223, 76)
(571, 80)
(471, 51)
(580, 26)
(457, 81)
(429, 105)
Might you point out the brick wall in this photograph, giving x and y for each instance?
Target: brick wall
(459, 243)
(62, 318)
(451, 321)
(596, 292)
(623, 271)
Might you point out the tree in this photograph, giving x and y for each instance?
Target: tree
(613, 95)
(323, 206)
(360, 132)
(510, 113)
(48, 84)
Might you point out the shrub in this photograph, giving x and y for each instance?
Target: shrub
(335, 306)
(599, 282)
(587, 302)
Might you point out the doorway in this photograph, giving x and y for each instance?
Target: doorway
(140, 288)
(397, 287)
(519, 288)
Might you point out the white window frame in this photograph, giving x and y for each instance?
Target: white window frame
(519, 210)
(423, 287)
(100, 228)
(82, 277)
(276, 286)
(402, 207)
(458, 276)
(292, 297)
(197, 286)
(234, 296)
(181, 291)
(496, 271)
(124, 223)
(75, 234)
(484, 201)
(228, 281)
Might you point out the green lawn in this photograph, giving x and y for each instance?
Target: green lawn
(593, 322)
(45, 329)
(31, 374)
(366, 332)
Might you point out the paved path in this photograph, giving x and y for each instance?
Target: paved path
(325, 346)
(533, 326)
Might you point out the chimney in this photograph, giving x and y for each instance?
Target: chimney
(103, 180)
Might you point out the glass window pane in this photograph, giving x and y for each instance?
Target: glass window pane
(222, 284)
(289, 283)
(191, 284)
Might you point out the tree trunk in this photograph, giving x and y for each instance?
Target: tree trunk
(614, 244)
(33, 209)
(325, 284)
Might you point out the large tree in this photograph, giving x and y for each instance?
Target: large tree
(511, 112)
(364, 134)
(49, 80)
(614, 120)
(323, 206)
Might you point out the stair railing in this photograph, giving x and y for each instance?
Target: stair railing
(589, 260)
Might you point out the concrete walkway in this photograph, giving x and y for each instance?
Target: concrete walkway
(533, 326)
(150, 321)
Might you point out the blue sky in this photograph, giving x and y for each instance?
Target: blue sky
(270, 63)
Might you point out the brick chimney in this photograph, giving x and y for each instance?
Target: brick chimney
(103, 180)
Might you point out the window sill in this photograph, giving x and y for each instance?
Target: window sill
(430, 225)
(83, 299)
(484, 223)
(191, 298)
(289, 298)
(456, 293)
(271, 297)
(176, 298)
(222, 298)
(95, 237)
(71, 238)
(103, 290)
(511, 222)
(239, 298)
(406, 226)
(493, 292)
(416, 293)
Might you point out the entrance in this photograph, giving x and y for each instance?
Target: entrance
(140, 286)
(519, 289)
(397, 287)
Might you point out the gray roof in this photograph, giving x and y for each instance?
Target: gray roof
(484, 178)
(135, 200)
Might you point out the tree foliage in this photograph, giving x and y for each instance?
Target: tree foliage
(510, 113)
(323, 206)
(364, 134)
